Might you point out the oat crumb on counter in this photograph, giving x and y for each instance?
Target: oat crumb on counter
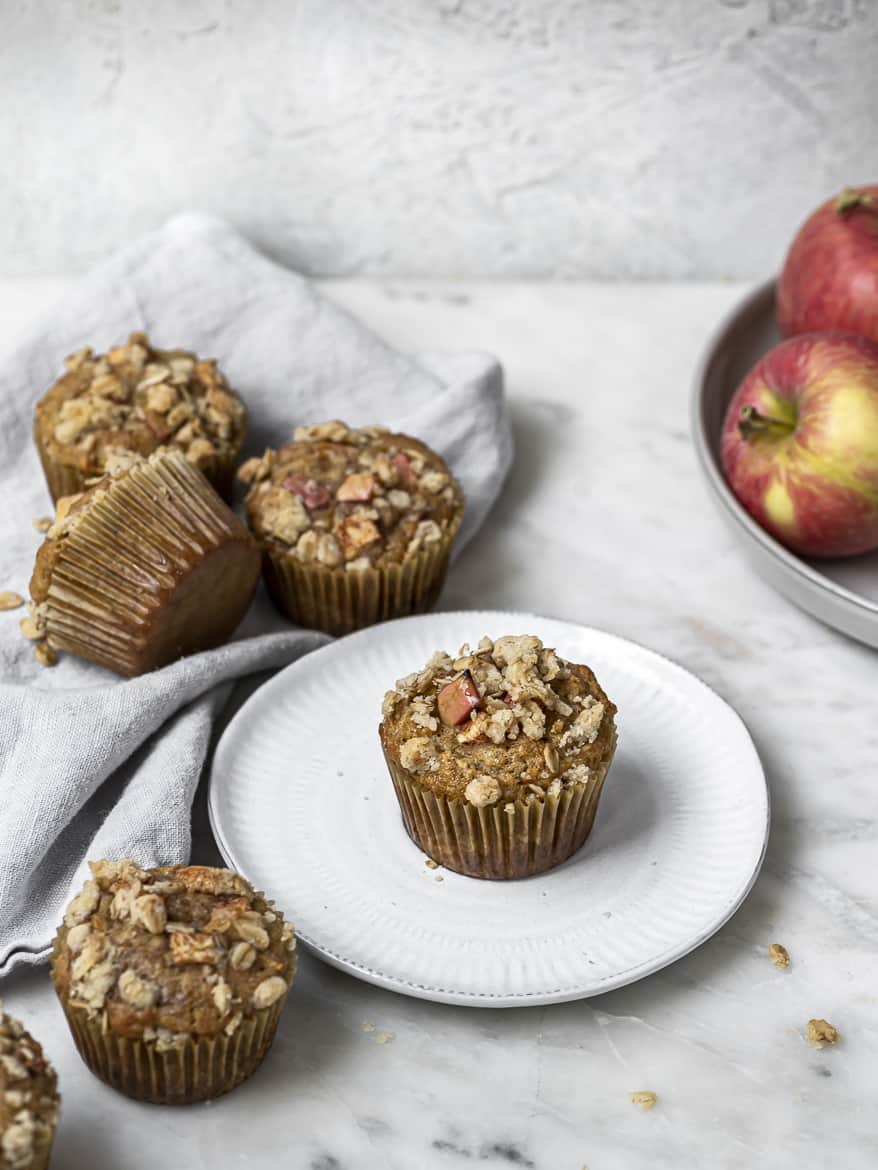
(368, 1026)
(821, 1033)
(44, 523)
(643, 1098)
(45, 655)
(385, 1037)
(11, 600)
(431, 864)
(779, 955)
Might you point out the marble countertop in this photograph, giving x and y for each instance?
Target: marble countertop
(606, 492)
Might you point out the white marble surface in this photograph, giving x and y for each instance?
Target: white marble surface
(604, 520)
(529, 138)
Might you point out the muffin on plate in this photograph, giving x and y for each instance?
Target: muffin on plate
(137, 398)
(498, 756)
(146, 565)
(356, 524)
(172, 979)
(29, 1100)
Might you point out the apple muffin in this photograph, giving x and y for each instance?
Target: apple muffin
(29, 1100)
(356, 524)
(172, 979)
(146, 565)
(138, 398)
(498, 756)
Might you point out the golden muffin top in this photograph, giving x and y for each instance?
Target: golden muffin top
(357, 498)
(28, 1097)
(171, 952)
(507, 720)
(138, 398)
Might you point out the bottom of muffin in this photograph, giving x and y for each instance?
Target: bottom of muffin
(198, 1069)
(512, 839)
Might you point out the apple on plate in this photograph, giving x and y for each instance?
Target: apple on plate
(830, 276)
(800, 444)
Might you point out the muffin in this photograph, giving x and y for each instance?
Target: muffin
(356, 524)
(172, 979)
(136, 398)
(498, 756)
(143, 567)
(28, 1100)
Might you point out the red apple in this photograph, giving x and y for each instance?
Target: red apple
(800, 444)
(830, 277)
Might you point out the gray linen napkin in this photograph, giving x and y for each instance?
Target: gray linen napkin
(95, 766)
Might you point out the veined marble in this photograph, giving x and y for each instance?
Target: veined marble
(604, 520)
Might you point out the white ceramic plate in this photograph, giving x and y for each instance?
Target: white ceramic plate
(301, 803)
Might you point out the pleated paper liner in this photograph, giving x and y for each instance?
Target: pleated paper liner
(66, 479)
(157, 567)
(42, 1155)
(505, 840)
(199, 1069)
(338, 601)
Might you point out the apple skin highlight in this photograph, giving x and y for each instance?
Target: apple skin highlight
(830, 276)
(799, 444)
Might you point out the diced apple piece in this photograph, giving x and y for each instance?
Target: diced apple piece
(404, 467)
(311, 492)
(356, 533)
(457, 699)
(357, 487)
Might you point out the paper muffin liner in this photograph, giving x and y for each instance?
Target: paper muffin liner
(338, 601)
(42, 1155)
(156, 566)
(509, 839)
(198, 1069)
(65, 479)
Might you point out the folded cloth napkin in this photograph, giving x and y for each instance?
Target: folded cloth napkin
(95, 766)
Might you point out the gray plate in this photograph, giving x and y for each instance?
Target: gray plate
(842, 593)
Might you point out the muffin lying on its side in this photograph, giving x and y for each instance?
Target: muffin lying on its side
(356, 524)
(172, 979)
(28, 1100)
(498, 756)
(143, 567)
(137, 398)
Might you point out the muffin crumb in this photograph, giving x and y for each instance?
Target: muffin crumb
(45, 655)
(43, 523)
(11, 600)
(644, 1099)
(821, 1033)
(779, 955)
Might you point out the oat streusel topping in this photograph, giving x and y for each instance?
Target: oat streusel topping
(138, 398)
(353, 497)
(505, 720)
(171, 952)
(28, 1097)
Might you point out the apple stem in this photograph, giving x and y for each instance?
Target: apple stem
(851, 198)
(751, 424)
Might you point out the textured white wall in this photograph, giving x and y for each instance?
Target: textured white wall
(557, 138)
